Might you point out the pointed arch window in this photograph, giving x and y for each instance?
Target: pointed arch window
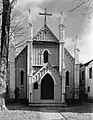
(45, 56)
(67, 78)
(22, 77)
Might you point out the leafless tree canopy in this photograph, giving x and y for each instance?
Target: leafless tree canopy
(18, 23)
(86, 5)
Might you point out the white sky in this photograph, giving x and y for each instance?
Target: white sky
(76, 24)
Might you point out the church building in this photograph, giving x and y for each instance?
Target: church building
(44, 71)
(86, 78)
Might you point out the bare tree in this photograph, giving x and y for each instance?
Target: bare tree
(17, 24)
(87, 6)
(5, 29)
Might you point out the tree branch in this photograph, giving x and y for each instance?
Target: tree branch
(12, 4)
(78, 5)
(1, 13)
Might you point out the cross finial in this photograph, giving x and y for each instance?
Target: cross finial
(45, 14)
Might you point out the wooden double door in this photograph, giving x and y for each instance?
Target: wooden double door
(47, 87)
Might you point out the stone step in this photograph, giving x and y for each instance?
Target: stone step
(47, 104)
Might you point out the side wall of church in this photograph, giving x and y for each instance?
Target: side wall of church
(38, 56)
(69, 64)
(21, 65)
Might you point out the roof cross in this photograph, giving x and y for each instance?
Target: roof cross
(45, 14)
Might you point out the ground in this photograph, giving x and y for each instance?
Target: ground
(80, 111)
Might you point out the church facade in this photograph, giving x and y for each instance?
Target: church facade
(45, 72)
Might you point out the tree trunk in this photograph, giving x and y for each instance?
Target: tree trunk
(4, 51)
(3, 80)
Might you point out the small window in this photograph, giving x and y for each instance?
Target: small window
(67, 78)
(45, 55)
(35, 86)
(22, 77)
(83, 75)
(90, 72)
(88, 88)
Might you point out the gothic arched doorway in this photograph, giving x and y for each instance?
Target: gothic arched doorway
(47, 87)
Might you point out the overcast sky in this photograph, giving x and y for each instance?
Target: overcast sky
(75, 23)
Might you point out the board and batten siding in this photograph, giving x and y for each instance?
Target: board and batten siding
(21, 64)
(38, 57)
(69, 65)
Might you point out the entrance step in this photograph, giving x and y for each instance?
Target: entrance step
(47, 104)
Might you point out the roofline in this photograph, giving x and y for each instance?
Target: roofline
(53, 33)
(87, 63)
(20, 52)
(69, 54)
(50, 31)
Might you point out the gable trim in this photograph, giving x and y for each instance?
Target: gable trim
(50, 75)
(44, 51)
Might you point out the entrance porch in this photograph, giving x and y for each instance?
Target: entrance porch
(45, 86)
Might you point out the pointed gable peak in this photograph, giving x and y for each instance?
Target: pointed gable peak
(45, 34)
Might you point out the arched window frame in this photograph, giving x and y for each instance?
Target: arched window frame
(67, 81)
(45, 56)
(49, 53)
(55, 83)
(22, 77)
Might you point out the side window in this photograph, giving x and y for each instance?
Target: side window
(45, 56)
(83, 75)
(67, 78)
(22, 77)
(88, 88)
(90, 72)
(35, 86)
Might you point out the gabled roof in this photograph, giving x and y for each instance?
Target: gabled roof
(50, 37)
(86, 64)
(45, 34)
(66, 51)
